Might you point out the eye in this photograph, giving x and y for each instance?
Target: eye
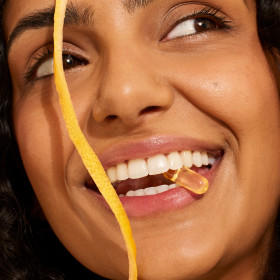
(46, 67)
(200, 21)
(191, 27)
(43, 66)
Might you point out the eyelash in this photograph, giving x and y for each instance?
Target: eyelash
(43, 56)
(40, 58)
(205, 13)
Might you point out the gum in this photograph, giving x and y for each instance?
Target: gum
(188, 179)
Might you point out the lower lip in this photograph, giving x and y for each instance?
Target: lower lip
(178, 198)
(141, 206)
(153, 204)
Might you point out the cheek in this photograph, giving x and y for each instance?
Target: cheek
(46, 151)
(238, 92)
(236, 89)
(41, 134)
(40, 142)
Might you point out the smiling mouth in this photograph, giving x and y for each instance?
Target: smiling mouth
(144, 177)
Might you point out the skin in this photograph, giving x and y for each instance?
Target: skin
(215, 87)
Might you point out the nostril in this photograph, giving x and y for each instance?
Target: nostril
(150, 109)
(111, 117)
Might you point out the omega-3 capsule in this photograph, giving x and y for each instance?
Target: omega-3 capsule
(188, 179)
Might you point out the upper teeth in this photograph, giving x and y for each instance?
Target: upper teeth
(138, 168)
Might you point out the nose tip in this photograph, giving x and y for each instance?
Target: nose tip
(130, 93)
(131, 108)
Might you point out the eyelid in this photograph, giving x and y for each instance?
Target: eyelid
(205, 12)
(40, 58)
(47, 53)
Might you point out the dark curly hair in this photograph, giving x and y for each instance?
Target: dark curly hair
(28, 248)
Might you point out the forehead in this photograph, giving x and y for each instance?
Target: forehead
(15, 10)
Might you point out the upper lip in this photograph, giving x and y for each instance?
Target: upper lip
(158, 144)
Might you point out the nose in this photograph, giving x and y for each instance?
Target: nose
(130, 90)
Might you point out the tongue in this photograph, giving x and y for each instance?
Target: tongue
(135, 184)
(201, 170)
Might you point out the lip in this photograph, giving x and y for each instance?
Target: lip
(173, 199)
(158, 144)
(143, 206)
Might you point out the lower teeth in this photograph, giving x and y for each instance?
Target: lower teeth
(149, 191)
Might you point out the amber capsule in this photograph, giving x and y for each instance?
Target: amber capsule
(188, 179)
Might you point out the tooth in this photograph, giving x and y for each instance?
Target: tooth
(175, 161)
(187, 158)
(150, 191)
(137, 168)
(112, 174)
(197, 161)
(139, 192)
(211, 159)
(162, 188)
(130, 193)
(157, 164)
(122, 173)
(204, 158)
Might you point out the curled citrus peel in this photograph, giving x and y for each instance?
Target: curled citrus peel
(88, 156)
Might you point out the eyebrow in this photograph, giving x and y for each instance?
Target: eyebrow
(131, 5)
(75, 15)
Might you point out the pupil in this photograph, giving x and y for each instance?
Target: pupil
(203, 24)
(69, 60)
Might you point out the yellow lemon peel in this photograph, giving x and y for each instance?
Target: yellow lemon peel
(88, 156)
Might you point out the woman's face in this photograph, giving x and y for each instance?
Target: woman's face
(147, 80)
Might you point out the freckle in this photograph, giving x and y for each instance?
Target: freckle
(215, 84)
